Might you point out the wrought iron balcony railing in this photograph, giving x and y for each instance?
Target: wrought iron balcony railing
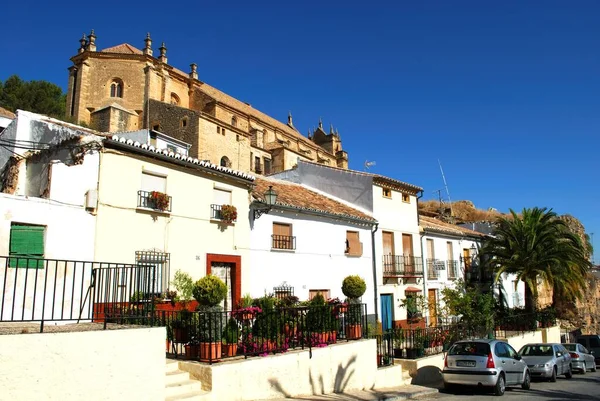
(452, 269)
(283, 242)
(402, 266)
(434, 267)
(154, 200)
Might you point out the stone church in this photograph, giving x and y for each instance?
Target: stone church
(122, 88)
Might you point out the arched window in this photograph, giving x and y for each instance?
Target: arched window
(116, 88)
(174, 99)
(225, 162)
(234, 121)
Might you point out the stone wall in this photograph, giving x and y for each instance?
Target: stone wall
(170, 118)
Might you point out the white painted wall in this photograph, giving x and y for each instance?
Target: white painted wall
(69, 235)
(92, 365)
(395, 215)
(318, 262)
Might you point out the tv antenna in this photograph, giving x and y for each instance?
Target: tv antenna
(369, 164)
(446, 187)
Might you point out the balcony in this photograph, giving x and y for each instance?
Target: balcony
(434, 267)
(285, 242)
(217, 214)
(402, 266)
(154, 200)
(452, 269)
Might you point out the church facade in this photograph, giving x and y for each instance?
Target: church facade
(122, 88)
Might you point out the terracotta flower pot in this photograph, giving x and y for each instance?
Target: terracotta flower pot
(229, 350)
(210, 352)
(353, 331)
(191, 351)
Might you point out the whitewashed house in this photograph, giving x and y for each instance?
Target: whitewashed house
(397, 250)
(306, 243)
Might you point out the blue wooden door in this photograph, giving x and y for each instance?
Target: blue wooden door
(387, 313)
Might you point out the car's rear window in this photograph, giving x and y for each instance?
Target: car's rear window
(570, 347)
(470, 348)
(537, 350)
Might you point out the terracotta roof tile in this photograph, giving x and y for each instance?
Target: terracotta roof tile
(7, 114)
(300, 197)
(123, 48)
(435, 225)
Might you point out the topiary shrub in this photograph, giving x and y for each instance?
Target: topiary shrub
(209, 291)
(354, 287)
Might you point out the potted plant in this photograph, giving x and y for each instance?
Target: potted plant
(209, 292)
(181, 326)
(353, 288)
(184, 286)
(228, 213)
(158, 200)
(230, 338)
(192, 349)
(317, 319)
(398, 342)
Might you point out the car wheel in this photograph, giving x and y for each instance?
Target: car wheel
(569, 373)
(500, 386)
(553, 378)
(526, 385)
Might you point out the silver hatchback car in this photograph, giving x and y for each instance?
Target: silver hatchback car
(492, 363)
(547, 360)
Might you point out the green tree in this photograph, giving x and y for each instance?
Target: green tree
(36, 96)
(475, 307)
(538, 245)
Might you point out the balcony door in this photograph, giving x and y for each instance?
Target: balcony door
(407, 251)
(388, 250)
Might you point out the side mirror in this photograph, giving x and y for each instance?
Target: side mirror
(518, 357)
(559, 354)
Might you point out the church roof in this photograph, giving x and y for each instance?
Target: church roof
(299, 197)
(123, 48)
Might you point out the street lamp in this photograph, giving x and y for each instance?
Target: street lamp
(270, 199)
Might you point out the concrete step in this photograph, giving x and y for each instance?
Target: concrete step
(192, 396)
(176, 376)
(171, 365)
(182, 387)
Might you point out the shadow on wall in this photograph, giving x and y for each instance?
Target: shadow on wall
(428, 376)
(342, 377)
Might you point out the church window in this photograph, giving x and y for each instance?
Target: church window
(234, 121)
(184, 121)
(225, 162)
(116, 88)
(174, 99)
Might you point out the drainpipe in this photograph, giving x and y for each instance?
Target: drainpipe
(421, 246)
(373, 231)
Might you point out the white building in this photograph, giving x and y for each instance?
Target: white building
(393, 203)
(5, 118)
(307, 243)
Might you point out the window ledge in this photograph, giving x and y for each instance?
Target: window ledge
(221, 222)
(149, 210)
(283, 250)
(353, 255)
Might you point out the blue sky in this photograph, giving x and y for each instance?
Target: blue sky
(505, 94)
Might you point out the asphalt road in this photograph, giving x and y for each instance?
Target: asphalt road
(580, 387)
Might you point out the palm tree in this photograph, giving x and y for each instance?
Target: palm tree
(538, 245)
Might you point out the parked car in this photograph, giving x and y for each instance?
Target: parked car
(547, 360)
(592, 343)
(491, 363)
(581, 358)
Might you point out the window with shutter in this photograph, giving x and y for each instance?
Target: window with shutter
(26, 241)
(314, 293)
(353, 244)
(282, 236)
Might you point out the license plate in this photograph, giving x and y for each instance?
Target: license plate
(469, 364)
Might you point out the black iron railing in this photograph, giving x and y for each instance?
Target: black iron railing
(402, 266)
(215, 212)
(452, 269)
(419, 342)
(283, 242)
(213, 335)
(154, 200)
(434, 267)
(385, 348)
(50, 290)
